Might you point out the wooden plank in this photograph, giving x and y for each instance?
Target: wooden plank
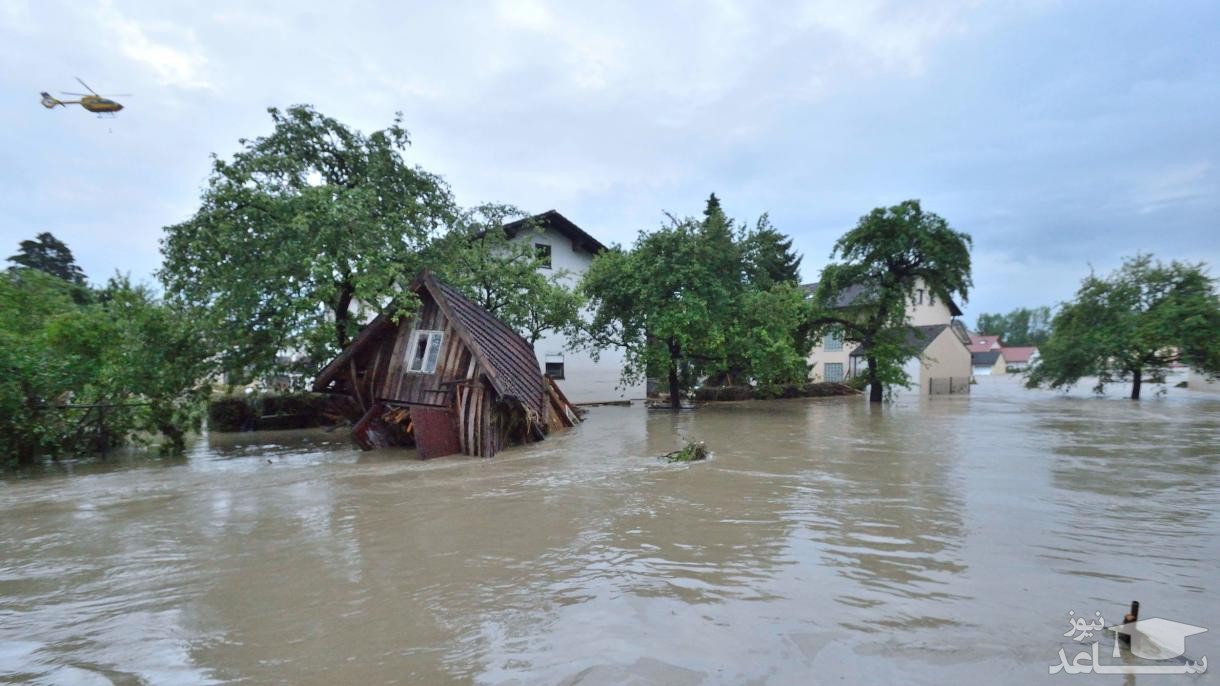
(356, 383)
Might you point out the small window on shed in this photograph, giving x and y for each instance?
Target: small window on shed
(554, 365)
(543, 252)
(425, 350)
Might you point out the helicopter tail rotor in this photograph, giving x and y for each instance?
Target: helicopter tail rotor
(50, 102)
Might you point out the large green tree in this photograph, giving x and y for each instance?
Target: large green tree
(1022, 326)
(297, 227)
(83, 378)
(875, 269)
(680, 302)
(1132, 325)
(46, 253)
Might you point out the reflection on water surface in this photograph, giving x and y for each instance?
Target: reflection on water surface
(922, 542)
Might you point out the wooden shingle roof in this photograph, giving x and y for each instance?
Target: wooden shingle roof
(508, 359)
(504, 355)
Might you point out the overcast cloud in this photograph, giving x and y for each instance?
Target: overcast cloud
(1058, 135)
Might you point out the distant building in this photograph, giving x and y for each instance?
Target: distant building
(986, 356)
(567, 249)
(943, 365)
(1019, 357)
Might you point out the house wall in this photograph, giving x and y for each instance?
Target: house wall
(925, 314)
(584, 380)
(946, 356)
(454, 363)
(999, 368)
(931, 311)
(819, 357)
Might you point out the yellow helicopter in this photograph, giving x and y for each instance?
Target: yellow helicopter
(90, 101)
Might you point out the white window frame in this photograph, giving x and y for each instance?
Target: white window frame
(826, 372)
(426, 362)
(832, 341)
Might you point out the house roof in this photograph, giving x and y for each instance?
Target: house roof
(552, 219)
(1019, 353)
(506, 357)
(917, 337)
(848, 295)
(980, 343)
(986, 358)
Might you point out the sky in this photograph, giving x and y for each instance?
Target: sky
(1062, 136)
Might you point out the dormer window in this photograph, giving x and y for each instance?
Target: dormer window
(543, 252)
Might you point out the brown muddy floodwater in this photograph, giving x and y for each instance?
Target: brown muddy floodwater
(942, 541)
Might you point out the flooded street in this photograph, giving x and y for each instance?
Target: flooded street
(827, 541)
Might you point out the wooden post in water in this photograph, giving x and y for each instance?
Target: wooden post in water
(1132, 616)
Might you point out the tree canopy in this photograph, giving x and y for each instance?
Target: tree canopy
(1132, 325)
(681, 301)
(88, 377)
(46, 253)
(1022, 326)
(298, 226)
(890, 252)
(768, 256)
(307, 232)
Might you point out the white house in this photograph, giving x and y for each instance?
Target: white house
(944, 364)
(567, 250)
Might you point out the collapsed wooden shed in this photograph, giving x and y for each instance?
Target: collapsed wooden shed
(453, 379)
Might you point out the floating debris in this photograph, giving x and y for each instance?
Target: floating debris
(693, 452)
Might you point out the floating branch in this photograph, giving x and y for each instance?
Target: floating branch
(693, 452)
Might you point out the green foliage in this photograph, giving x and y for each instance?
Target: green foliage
(691, 452)
(681, 301)
(87, 377)
(768, 256)
(890, 252)
(230, 413)
(1132, 325)
(271, 411)
(46, 253)
(314, 223)
(478, 258)
(295, 228)
(1023, 326)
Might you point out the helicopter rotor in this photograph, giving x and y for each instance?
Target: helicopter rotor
(85, 85)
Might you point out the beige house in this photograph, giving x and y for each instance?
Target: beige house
(987, 356)
(943, 365)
